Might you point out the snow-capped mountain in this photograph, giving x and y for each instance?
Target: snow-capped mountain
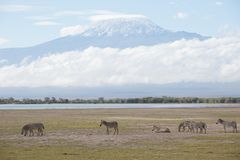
(116, 33)
(123, 27)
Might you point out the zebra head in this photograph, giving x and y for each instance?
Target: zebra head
(154, 127)
(219, 121)
(101, 123)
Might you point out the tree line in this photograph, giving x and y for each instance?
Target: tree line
(164, 99)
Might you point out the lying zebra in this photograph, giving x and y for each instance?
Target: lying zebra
(108, 125)
(227, 124)
(157, 129)
(29, 129)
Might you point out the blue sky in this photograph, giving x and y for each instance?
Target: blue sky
(212, 61)
(26, 23)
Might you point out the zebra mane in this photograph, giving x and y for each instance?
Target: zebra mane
(103, 122)
(221, 120)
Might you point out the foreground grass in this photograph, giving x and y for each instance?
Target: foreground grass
(214, 146)
(200, 150)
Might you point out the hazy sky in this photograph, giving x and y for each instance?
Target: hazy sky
(26, 23)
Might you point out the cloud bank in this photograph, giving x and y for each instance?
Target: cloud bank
(212, 60)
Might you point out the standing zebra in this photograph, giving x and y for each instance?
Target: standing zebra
(31, 127)
(108, 125)
(225, 124)
(199, 125)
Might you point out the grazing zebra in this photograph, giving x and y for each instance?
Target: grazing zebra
(183, 125)
(32, 126)
(25, 129)
(199, 125)
(108, 125)
(157, 129)
(225, 124)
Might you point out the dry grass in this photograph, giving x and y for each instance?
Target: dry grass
(75, 134)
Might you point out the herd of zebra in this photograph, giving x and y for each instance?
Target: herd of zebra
(190, 126)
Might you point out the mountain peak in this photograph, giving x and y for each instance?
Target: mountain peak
(117, 32)
(122, 26)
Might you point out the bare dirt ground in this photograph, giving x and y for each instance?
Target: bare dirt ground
(132, 129)
(81, 127)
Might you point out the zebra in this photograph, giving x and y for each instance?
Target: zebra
(185, 124)
(157, 129)
(32, 126)
(108, 125)
(25, 129)
(199, 125)
(225, 124)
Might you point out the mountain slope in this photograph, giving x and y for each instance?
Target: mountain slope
(115, 33)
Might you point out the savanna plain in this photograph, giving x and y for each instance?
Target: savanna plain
(76, 134)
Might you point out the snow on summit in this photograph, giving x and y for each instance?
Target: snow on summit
(114, 25)
(123, 26)
(113, 31)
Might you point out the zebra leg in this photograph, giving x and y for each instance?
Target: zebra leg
(40, 131)
(107, 131)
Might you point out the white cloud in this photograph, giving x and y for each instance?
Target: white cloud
(46, 23)
(102, 17)
(39, 18)
(73, 30)
(212, 60)
(86, 13)
(97, 15)
(218, 3)
(70, 13)
(180, 15)
(3, 41)
(15, 8)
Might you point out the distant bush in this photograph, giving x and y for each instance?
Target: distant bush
(164, 99)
